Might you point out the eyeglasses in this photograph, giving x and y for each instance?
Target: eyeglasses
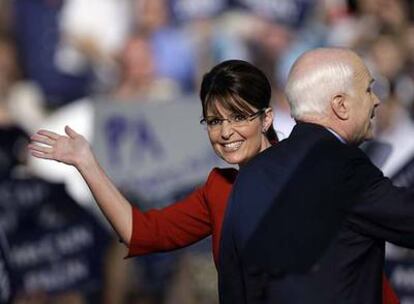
(235, 119)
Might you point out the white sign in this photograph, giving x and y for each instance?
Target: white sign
(153, 150)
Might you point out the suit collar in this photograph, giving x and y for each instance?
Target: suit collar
(337, 136)
(311, 129)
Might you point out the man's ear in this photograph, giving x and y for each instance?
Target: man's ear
(340, 106)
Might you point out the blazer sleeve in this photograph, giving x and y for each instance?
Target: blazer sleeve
(383, 211)
(175, 226)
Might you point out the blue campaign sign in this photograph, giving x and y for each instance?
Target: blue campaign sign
(153, 151)
(54, 245)
(118, 130)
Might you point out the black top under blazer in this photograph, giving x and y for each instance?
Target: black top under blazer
(307, 223)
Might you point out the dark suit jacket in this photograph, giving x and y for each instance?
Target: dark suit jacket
(306, 223)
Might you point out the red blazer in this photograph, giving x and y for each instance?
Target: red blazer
(192, 219)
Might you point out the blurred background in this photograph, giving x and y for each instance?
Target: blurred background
(126, 74)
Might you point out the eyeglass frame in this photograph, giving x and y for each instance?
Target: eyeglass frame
(231, 121)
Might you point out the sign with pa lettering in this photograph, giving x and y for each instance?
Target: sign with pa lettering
(153, 150)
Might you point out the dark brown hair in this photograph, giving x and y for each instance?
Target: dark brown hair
(238, 86)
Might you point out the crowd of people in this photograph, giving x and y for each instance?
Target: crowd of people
(61, 58)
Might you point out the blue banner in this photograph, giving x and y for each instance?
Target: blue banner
(54, 245)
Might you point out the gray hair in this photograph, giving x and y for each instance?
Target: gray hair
(309, 90)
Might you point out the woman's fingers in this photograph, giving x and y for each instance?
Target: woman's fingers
(41, 155)
(49, 134)
(42, 149)
(42, 139)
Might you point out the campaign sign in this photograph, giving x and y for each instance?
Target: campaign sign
(153, 150)
(54, 245)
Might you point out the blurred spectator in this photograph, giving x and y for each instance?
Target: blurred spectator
(5, 17)
(138, 78)
(37, 35)
(92, 40)
(8, 75)
(392, 15)
(21, 100)
(172, 49)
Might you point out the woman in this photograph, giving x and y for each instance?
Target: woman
(235, 98)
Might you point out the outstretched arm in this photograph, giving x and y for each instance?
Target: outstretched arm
(75, 150)
(175, 226)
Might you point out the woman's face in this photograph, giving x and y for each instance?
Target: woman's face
(237, 144)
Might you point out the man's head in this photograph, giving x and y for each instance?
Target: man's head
(332, 87)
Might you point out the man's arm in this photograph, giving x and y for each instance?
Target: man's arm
(385, 211)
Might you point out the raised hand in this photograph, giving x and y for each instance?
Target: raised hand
(72, 149)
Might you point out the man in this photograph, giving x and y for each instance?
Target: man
(308, 218)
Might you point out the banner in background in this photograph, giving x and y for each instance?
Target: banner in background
(53, 244)
(153, 151)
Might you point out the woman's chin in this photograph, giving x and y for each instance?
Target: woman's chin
(233, 159)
